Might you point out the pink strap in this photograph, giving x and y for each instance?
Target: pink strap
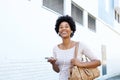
(76, 49)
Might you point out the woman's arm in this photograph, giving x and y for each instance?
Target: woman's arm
(89, 56)
(91, 64)
(54, 66)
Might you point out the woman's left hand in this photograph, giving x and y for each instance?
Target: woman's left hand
(75, 61)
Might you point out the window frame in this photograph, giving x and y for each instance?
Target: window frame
(117, 16)
(93, 28)
(81, 10)
(52, 10)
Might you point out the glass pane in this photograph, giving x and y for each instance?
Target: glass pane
(77, 14)
(55, 5)
(104, 66)
(91, 23)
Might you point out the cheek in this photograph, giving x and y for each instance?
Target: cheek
(59, 30)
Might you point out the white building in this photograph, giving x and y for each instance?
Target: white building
(27, 35)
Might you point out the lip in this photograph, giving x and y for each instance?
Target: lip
(64, 32)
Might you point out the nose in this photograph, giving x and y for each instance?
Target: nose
(64, 27)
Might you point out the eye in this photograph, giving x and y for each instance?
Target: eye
(66, 26)
(60, 27)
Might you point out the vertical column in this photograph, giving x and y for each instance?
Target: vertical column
(67, 7)
(104, 66)
(85, 18)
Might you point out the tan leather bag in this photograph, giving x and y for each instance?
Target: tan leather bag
(77, 73)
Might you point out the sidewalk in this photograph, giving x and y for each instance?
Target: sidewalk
(114, 78)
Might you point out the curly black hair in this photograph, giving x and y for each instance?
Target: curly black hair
(68, 19)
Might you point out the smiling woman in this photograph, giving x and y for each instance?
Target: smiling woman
(63, 53)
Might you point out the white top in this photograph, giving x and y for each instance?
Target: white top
(64, 57)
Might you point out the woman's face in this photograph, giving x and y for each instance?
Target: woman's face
(64, 30)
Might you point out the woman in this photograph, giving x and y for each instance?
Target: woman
(64, 52)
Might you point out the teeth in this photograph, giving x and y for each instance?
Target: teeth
(64, 32)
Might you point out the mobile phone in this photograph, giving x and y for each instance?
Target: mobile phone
(47, 57)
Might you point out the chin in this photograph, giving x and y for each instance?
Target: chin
(65, 37)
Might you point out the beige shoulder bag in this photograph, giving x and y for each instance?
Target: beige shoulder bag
(77, 73)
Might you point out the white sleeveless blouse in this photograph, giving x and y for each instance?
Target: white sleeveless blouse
(64, 57)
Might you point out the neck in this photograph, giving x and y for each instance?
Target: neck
(66, 43)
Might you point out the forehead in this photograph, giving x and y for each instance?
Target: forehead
(64, 23)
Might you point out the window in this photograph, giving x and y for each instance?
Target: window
(55, 5)
(117, 16)
(104, 66)
(91, 22)
(77, 13)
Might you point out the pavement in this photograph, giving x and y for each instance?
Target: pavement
(110, 77)
(114, 78)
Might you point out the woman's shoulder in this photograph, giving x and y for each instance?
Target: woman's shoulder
(55, 47)
(82, 44)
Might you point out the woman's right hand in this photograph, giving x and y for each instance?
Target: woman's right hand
(52, 60)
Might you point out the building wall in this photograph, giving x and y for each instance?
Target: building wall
(117, 9)
(27, 36)
(106, 10)
(89, 6)
(110, 38)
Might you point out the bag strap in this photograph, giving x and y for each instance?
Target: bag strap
(76, 49)
(76, 53)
